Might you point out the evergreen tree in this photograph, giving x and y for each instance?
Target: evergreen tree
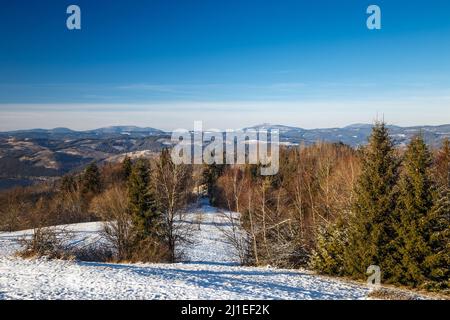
(438, 223)
(142, 205)
(328, 255)
(370, 227)
(127, 166)
(211, 173)
(91, 180)
(414, 203)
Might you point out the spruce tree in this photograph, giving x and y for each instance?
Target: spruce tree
(328, 254)
(438, 223)
(142, 205)
(370, 227)
(414, 203)
(91, 181)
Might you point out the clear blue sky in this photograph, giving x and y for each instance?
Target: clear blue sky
(165, 63)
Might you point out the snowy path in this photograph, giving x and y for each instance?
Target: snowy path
(212, 273)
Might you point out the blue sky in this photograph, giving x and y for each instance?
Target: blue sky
(229, 63)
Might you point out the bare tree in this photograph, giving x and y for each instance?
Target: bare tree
(235, 186)
(236, 236)
(12, 211)
(172, 186)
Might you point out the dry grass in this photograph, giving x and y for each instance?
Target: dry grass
(387, 293)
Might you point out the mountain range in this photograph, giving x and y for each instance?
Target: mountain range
(358, 134)
(42, 154)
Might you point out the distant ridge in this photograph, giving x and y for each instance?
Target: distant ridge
(357, 134)
(32, 155)
(354, 134)
(100, 133)
(126, 129)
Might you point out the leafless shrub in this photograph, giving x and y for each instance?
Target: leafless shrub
(46, 242)
(112, 207)
(55, 243)
(93, 252)
(70, 206)
(150, 250)
(236, 236)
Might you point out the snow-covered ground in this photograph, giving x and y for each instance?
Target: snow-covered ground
(212, 272)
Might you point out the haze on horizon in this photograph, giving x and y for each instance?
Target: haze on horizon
(214, 115)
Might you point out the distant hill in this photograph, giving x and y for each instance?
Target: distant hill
(357, 134)
(65, 133)
(39, 154)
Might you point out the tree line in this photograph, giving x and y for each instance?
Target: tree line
(339, 210)
(141, 201)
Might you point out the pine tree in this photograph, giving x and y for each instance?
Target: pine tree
(142, 205)
(370, 227)
(91, 180)
(414, 203)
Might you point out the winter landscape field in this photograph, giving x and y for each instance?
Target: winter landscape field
(211, 272)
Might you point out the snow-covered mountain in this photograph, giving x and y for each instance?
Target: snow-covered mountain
(356, 134)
